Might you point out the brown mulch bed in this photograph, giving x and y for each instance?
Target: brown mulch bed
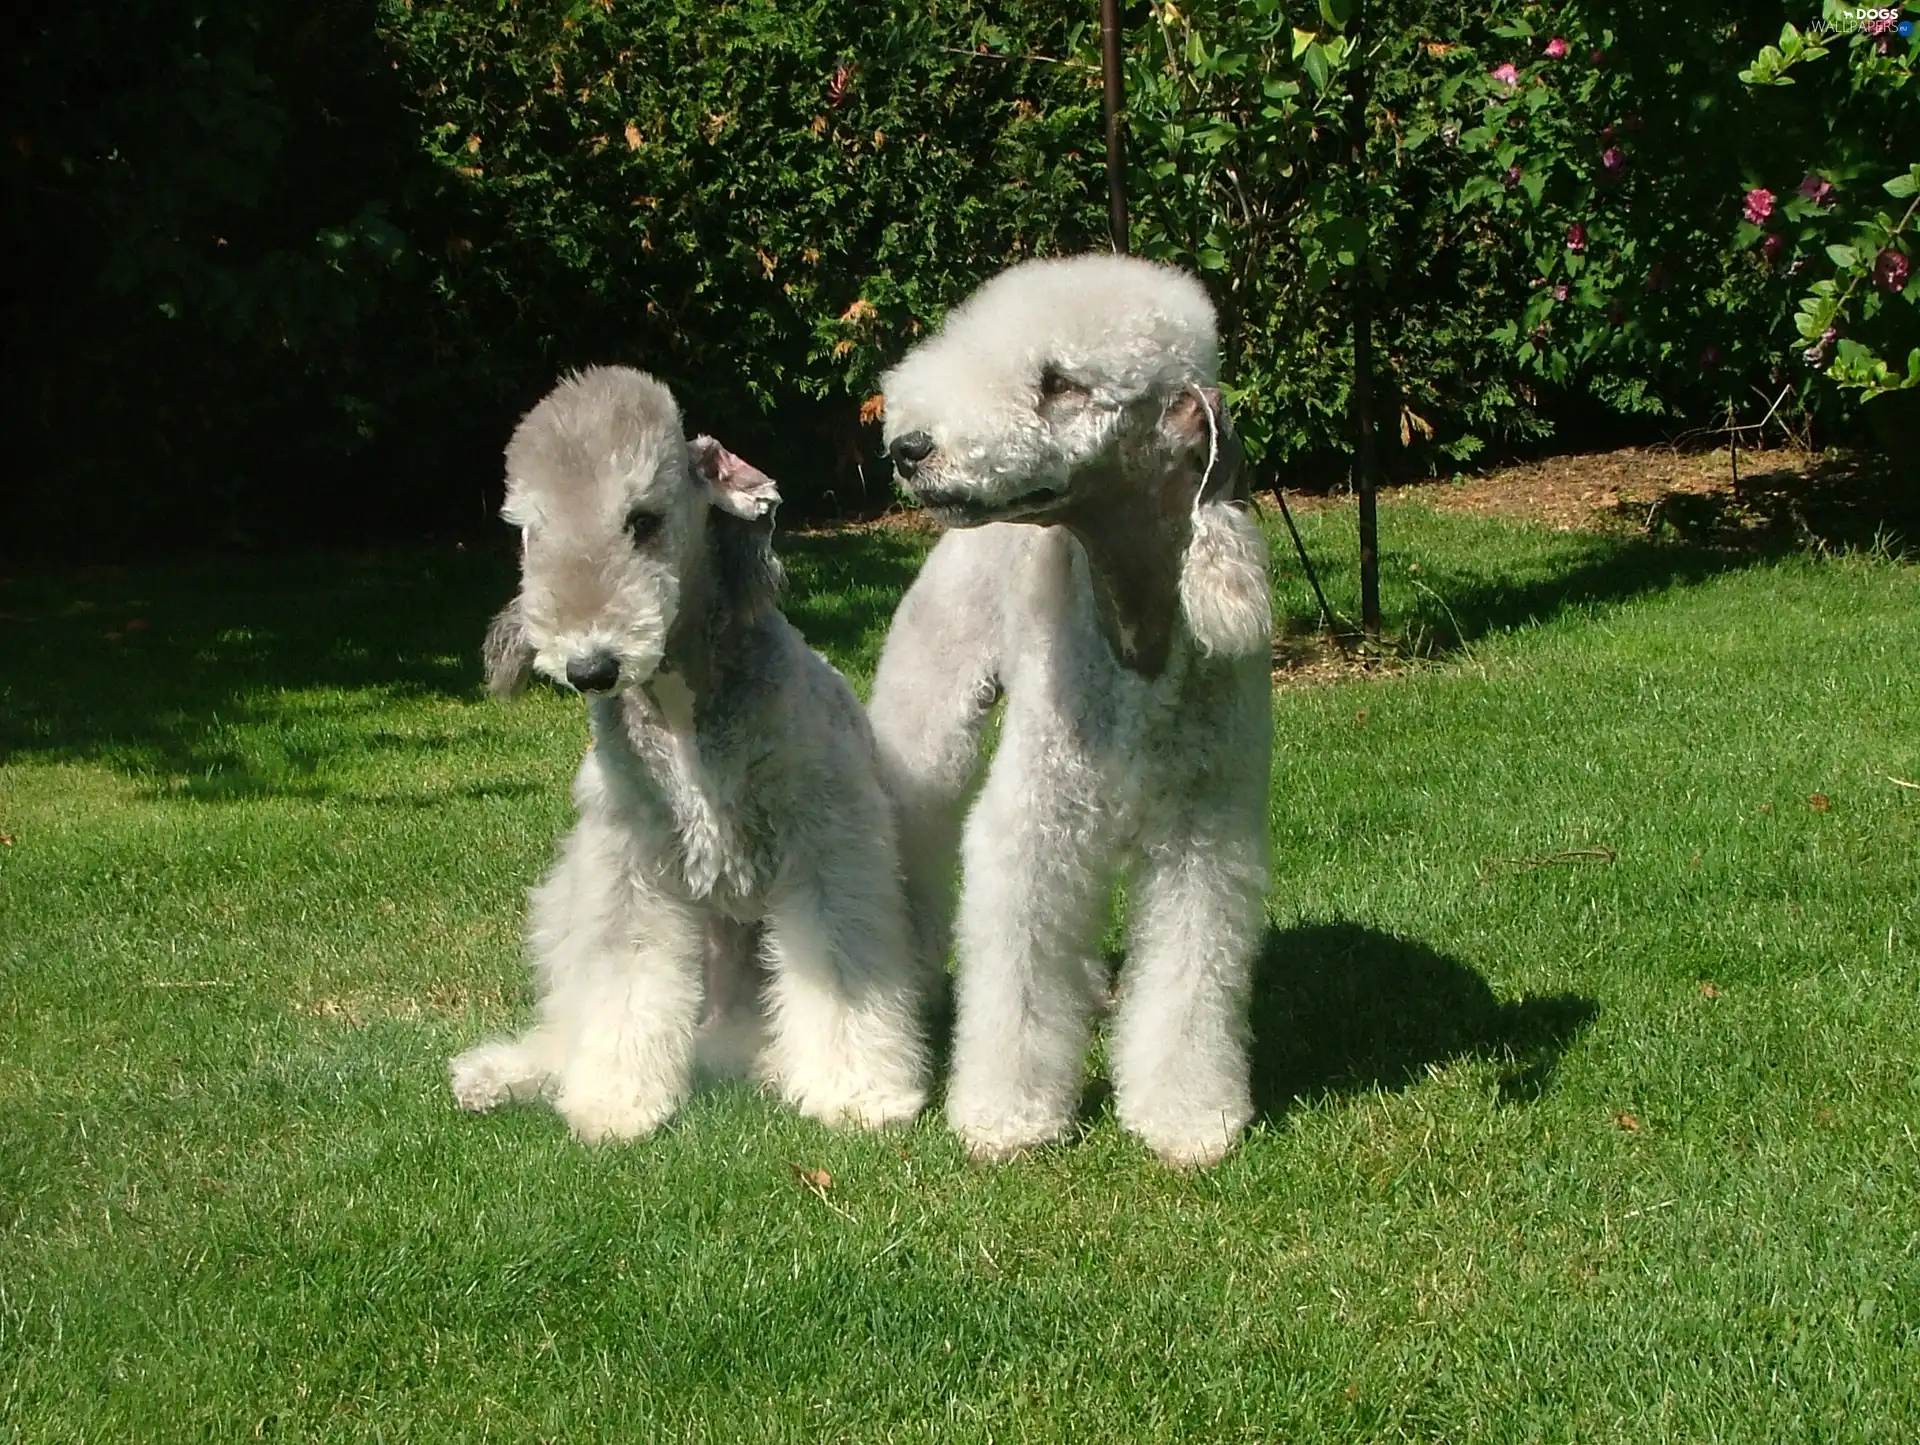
(1584, 490)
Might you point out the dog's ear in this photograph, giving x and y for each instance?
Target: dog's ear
(736, 487)
(1224, 593)
(1198, 418)
(507, 654)
(744, 499)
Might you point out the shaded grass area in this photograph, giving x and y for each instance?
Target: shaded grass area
(1585, 1046)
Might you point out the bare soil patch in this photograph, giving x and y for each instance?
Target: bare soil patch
(1591, 489)
(1770, 499)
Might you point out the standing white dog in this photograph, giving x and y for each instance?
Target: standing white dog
(1106, 579)
(732, 783)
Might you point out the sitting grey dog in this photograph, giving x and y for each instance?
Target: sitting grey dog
(731, 791)
(1103, 575)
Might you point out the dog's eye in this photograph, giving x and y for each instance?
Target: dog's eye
(642, 525)
(1054, 383)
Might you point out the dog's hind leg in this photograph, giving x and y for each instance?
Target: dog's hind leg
(560, 920)
(502, 1071)
(845, 991)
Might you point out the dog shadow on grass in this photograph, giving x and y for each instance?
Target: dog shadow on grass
(1341, 1009)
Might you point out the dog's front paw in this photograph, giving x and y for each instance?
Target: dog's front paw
(599, 1116)
(1193, 1141)
(991, 1136)
(870, 1109)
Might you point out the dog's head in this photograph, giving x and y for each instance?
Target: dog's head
(612, 503)
(1052, 380)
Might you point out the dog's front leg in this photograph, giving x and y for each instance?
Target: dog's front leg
(622, 991)
(1038, 864)
(1178, 1051)
(846, 989)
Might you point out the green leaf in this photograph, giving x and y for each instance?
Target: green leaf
(1314, 62)
(1301, 40)
(1844, 256)
(1336, 12)
(1900, 187)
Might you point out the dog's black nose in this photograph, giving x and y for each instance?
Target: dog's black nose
(908, 451)
(596, 673)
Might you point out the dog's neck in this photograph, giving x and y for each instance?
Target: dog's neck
(708, 626)
(1134, 528)
(688, 658)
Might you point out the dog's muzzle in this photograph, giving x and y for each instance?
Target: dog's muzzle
(907, 451)
(596, 672)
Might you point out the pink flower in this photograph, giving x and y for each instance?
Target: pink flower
(1560, 292)
(1505, 74)
(1817, 189)
(1890, 271)
(1771, 245)
(1512, 177)
(1759, 204)
(1576, 237)
(1598, 56)
(1613, 163)
(1557, 49)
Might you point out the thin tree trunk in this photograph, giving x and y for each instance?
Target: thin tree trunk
(1365, 454)
(1115, 104)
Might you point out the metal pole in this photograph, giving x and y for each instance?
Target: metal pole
(1115, 103)
(1365, 456)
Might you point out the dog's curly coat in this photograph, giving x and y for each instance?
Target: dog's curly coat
(1105, 577)
(731, 787)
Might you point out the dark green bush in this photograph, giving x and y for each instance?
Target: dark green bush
(757, 200)
(287, 274)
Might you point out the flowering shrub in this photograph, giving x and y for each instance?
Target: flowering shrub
(1241, 167)
(1583, 196)
(1870, 289)
(1687, 192)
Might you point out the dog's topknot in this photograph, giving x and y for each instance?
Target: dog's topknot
(1129, 327)
(603, 422)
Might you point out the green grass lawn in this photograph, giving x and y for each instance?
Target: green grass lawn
(1587, 1048)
